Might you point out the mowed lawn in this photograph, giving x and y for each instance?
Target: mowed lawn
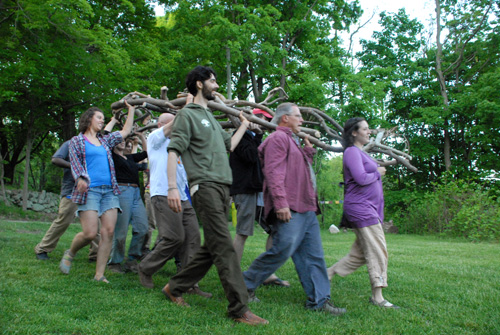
(444, 286)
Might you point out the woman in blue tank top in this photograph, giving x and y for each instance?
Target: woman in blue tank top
(96, 189)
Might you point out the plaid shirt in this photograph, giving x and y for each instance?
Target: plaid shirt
(79, 164)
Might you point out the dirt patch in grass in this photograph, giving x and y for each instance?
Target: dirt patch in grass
(34, 232)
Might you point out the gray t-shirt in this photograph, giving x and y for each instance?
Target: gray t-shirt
(68, 182)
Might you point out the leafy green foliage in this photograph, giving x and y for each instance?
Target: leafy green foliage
(329, 184)
(453, 208)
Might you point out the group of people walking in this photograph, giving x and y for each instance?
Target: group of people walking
(192, 178)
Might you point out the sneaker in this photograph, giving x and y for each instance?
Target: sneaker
(252, 297)
(251, 319)
(66, 262)
(42, 256)
(329, 307)
(117, 268)
(196, 290)
(131, 266)
(146, 280)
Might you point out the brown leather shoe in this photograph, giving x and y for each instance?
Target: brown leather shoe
(176, 300)
(196, 290)
(251, 319)
(146, 280)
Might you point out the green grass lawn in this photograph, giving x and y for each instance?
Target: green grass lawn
(444, 286)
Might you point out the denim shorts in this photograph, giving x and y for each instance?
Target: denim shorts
(100, 199)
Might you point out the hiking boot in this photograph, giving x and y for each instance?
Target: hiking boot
(196, 290)
(116, 268)
(251, 319)
(131, 266)
(330, 308)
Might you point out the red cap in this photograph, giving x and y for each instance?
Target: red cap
(257, 111)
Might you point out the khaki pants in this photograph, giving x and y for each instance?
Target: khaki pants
(178, 233)
(151, 223)
(65, 215)
(369, 248)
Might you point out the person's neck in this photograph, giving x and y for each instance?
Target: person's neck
(119, 152)
(90, 133)
(359, 145)
(200, 100)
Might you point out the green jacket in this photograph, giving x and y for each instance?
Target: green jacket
(203, 145)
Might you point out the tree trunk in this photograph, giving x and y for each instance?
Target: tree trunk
(29, 143)
(4, 195)
(68, 124)
(228, 72)
(442, 86)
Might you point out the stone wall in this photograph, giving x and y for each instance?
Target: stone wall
(45, 202)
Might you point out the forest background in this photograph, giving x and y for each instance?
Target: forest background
(438, 86)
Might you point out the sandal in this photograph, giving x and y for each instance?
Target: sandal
(102, 279)
(384, 304)
(277, 282)
(68, 258)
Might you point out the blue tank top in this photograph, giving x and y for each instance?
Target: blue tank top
(97, 165)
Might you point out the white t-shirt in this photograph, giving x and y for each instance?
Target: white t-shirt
(158, 157)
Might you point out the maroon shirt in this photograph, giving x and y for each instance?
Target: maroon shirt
(287, 178)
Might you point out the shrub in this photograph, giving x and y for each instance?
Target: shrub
(456, 208)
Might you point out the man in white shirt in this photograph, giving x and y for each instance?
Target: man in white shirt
(178, 232)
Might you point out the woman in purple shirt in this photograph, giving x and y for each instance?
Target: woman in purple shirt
(96, 189)
(364, 209)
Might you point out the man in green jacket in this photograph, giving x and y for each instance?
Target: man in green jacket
(203, 144)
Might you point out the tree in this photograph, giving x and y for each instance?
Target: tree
(400, 65)
(60, 57)
(270, 43)
(469, 30)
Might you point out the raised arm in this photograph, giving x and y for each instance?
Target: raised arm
(240, 132)
(127, 127)
(111, 124)
(142, 138)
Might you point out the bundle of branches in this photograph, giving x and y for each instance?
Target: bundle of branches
(323, 130)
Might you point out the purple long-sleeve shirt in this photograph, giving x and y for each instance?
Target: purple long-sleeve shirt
(364, 197)
(287, 178)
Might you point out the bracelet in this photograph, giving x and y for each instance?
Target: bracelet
(172, 188)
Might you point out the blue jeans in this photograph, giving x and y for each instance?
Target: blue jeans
(134, 212)
(300, 239)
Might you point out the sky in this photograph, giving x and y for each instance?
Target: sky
(423, 10)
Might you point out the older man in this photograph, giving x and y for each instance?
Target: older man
(290, 206)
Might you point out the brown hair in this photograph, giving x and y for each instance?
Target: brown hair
(86, 119)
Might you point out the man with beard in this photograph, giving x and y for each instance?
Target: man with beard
(203, 144)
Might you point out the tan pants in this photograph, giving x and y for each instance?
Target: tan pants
(65, 216)
(369, 248)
